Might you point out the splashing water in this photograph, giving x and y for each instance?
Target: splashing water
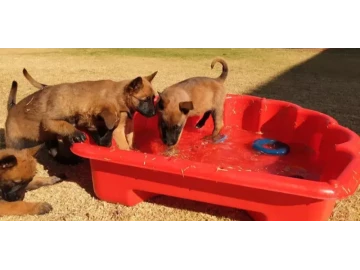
(235, 152)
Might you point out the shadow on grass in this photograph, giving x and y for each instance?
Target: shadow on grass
(79, 173)
(195, 206)
(328, 82)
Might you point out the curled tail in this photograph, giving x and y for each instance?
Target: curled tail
(225, 69)
(32, 81)
(12, 96)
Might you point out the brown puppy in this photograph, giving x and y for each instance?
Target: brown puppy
(94, 125)
(17, 175)
(194, 96)
(48, 113)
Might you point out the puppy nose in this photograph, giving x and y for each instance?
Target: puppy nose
(166, 141)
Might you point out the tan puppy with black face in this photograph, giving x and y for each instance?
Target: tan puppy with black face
(51, 111)
(17, 175)
(192, 97)
(93, 124)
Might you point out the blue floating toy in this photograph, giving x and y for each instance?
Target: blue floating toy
(274, 147)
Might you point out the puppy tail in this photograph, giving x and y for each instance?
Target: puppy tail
(225, 69)
(32, 81)
(12, 96)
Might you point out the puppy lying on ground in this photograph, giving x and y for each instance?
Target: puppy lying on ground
(57, 110)
(17, 175)
(194, 96)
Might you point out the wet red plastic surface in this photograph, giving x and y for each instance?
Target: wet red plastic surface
(232, 173)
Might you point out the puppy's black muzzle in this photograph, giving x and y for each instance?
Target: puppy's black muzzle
(146, 107)
(14, 193)
(170, 135)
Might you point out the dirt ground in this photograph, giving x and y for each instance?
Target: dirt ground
(326, 81)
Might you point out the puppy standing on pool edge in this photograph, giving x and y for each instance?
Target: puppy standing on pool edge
(58, 110)
(192, 97)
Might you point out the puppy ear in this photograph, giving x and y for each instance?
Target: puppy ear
(110, 118)
(33, 150)
(186, 106)
(151, 77)
(135, 85)
(8, 162)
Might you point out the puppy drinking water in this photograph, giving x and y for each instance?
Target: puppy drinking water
(192, 97)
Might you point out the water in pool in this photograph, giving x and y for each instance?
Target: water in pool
(235, 152)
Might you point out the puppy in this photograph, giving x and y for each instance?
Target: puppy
(17, 175)
(94, 125)
(192, 97)
(48, 113)
(58, 148)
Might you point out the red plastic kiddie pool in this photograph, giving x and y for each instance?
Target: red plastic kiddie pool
(322, 164)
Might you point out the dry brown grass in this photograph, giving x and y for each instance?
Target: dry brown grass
(261, 72)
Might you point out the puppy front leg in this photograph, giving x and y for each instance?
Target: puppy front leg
(203, 120)
(22, 208)
(217, 116)
(64, 129)
(39, 181)
(129, 132)
(119, 133)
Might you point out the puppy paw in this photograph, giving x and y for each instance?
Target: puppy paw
(42, 208)
(219, 138)
(77, 137)
(57, 179)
